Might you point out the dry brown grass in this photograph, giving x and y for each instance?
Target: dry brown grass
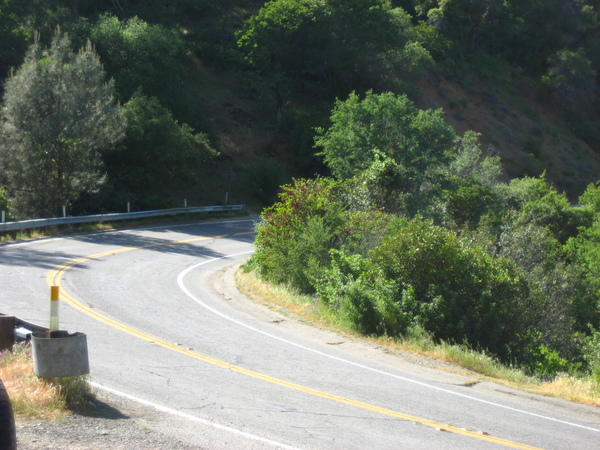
(570, 388)
(505, 113)
(29, 395)
(282, 300)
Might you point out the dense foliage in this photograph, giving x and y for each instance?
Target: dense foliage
(158, 154)
(385, 124)
(507, 268)
(297, 56)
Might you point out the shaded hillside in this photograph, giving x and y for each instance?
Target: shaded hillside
(516, 118)
(529, 135)
(256, 78)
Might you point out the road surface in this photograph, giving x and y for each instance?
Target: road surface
(166, 326)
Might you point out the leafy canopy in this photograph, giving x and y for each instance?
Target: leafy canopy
(138, 54)
(387, 123)
(332, 45)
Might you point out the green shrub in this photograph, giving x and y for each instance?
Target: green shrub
(534, 201)
(591, 353)
(455, 293)
(539, 360)
(363, 300)
(420, 274)
(296, 233)
(467, 203)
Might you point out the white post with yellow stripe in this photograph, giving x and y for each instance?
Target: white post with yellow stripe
(54, 293)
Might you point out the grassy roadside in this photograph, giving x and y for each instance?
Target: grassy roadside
(35, 397)
(459, 359)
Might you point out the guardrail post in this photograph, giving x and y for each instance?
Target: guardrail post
(7, 332)
(64, 210)
(128, 207)
(3, 217)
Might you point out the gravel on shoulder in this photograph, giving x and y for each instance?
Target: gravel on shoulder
(119, 423)
(109, 422)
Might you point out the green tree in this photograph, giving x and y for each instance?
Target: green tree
(298, 231)
(58, 114)
(333, 46)
(150, 57)
(474, 163)
(369, 45)
(380, 186)
(158, 156)
(417, 140)
(472, 23)
(571, 78)
(534, 201)
(13, 34)
(282, 44)
(4, 203)
(19, 20)
(138, 54)
(454, 292)
(310, 219)
(584, 249)
(467, 182)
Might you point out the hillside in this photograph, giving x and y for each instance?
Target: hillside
(255, 78)
(525, 128)
(529, 136)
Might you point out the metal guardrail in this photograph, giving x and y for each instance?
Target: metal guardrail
(38, 223)
(22, 329)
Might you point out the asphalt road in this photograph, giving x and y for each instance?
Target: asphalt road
(166, 326)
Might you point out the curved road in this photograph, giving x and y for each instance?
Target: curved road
(166, 326)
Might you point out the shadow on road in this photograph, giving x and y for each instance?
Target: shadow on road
(99, 410)
(193, 239)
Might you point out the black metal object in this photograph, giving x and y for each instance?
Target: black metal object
(23, 329)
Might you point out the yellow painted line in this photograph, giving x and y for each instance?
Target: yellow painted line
(54, 278)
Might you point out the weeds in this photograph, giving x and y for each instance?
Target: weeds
(285, 300)
(32, 396)
(75, 391)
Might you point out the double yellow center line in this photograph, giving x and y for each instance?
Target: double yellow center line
(54, 278)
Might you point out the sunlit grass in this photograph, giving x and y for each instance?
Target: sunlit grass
(29, 395)
(459, 358)
(35, 397)
(285, 301)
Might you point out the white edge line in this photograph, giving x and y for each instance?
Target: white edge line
(168, 410)
(218, 313)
